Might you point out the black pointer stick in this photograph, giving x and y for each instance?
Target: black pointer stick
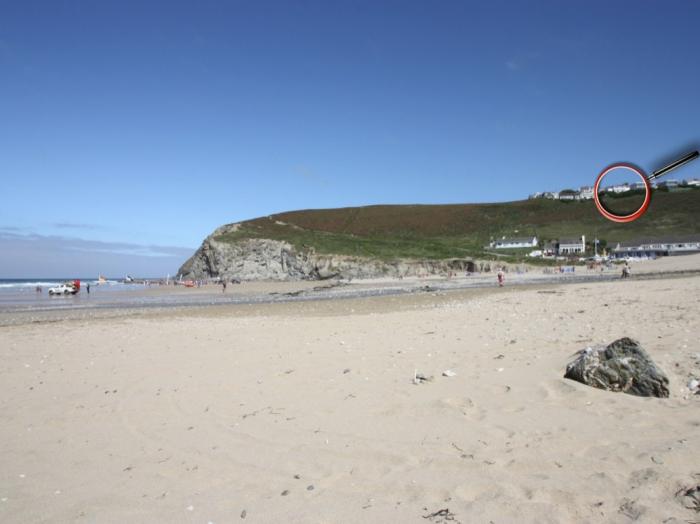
(673, 165)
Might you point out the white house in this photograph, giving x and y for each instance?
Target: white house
(572, 246)
(693, 182)
(586, 192)
(552, 195)
(514, 243)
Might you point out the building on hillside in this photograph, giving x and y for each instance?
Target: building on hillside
(571, 246)
(538, 194)
(670, 185)
(514, 243)
(658, 247)
(585, 193)
(621, 188)
(552, 195)
(568, 195)
(693, 182)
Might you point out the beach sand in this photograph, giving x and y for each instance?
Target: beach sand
(306, 412)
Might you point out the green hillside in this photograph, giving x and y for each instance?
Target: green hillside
(463, 230)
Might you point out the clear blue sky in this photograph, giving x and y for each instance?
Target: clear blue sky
(133, 125)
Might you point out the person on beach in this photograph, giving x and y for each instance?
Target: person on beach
(626, 271)
(223, 286)
(501, 277)
(87, 288)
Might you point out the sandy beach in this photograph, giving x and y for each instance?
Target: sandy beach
(307, 412)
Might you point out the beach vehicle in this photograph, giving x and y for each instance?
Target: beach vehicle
(67, 288)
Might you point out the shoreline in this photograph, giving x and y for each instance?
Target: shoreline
(201, 303)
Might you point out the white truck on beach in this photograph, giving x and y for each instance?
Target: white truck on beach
(67, 288)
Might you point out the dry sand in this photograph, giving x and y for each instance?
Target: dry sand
(306, 412)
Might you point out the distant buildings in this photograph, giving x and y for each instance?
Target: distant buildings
(562, 247)
(586, 192)
(669, 184)
(569, 194)
(583, 193)
(658, 247)
(514, 243)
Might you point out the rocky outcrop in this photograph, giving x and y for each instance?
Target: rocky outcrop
(265, 259)
(621, 366)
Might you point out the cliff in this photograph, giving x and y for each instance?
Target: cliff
(267, 259)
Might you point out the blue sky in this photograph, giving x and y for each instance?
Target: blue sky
(148, 124)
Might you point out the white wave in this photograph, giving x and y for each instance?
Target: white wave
(27, 284)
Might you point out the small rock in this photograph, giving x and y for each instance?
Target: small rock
(190, 508)
(449, 373)
(346, 371)
(310, 487)
(419, 378)
(693, 384)
(243, 514)
(285, 493)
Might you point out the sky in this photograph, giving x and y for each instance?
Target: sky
(131, 130)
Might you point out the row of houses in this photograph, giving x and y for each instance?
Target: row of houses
(657, 247)
(583, 193)
(586, 192)
(644, 248)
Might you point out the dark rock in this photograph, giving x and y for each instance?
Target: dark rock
(622, 366)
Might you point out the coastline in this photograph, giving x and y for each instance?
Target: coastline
(164, 300)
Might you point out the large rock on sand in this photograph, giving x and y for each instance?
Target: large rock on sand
(621, 366)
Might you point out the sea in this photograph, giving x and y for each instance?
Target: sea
(33, 293)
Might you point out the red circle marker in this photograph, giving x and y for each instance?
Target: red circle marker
(623, 218)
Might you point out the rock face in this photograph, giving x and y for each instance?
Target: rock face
(621, 366)
(265, 259)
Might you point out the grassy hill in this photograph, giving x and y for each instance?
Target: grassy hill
(462, 230)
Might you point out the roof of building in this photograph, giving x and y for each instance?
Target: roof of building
(575, 241)
(516, 240)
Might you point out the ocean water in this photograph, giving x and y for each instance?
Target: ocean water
(18, 285)
(21, 293)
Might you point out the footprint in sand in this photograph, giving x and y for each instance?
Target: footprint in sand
(556, 389)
